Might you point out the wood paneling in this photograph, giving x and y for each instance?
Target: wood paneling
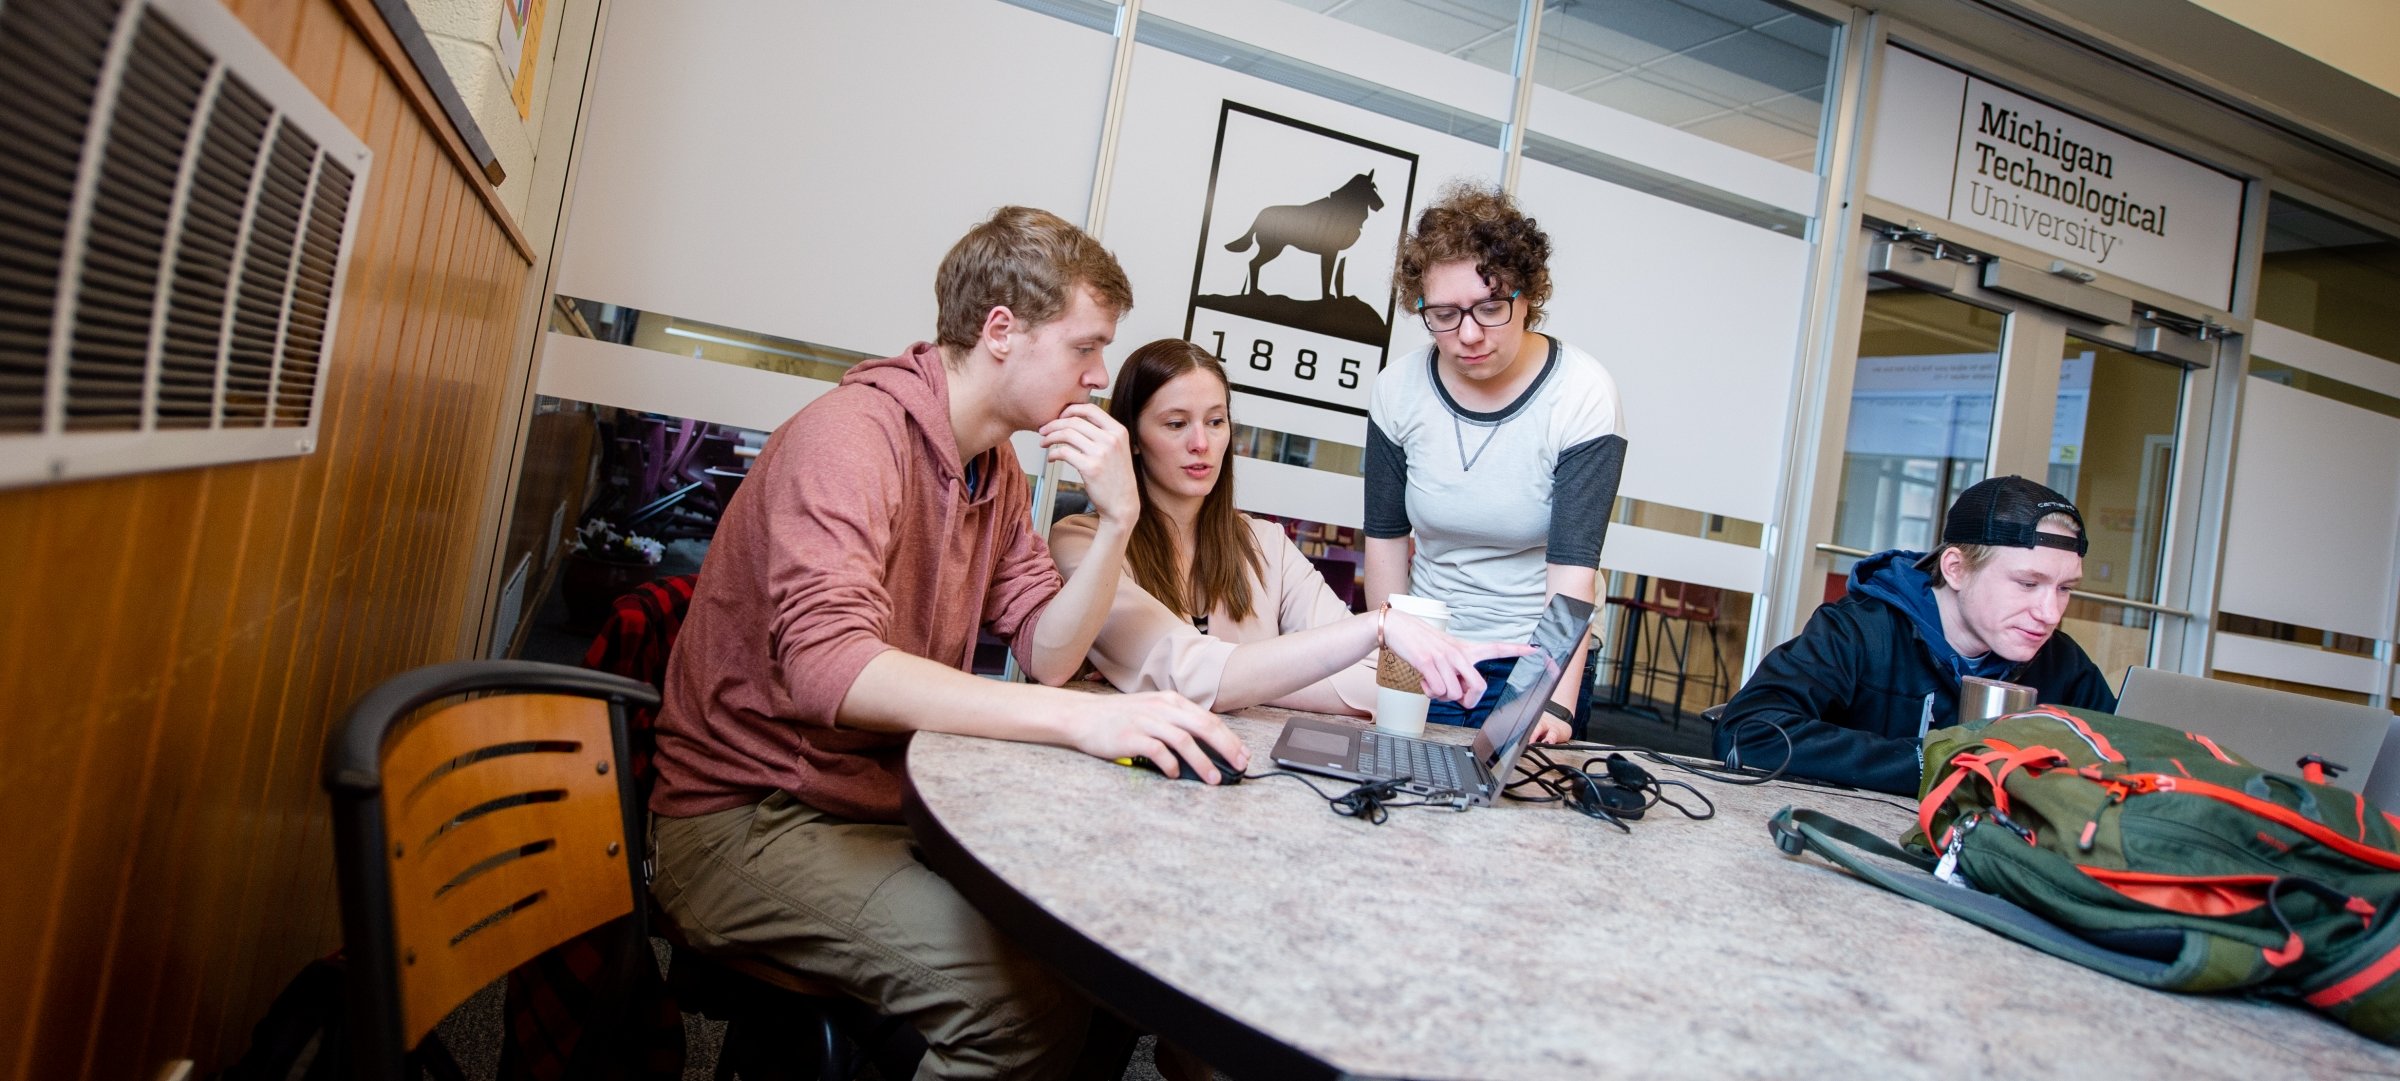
(184, 640)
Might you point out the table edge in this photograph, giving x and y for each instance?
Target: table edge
(1110, 981)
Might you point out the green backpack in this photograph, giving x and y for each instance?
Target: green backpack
(2149, 854)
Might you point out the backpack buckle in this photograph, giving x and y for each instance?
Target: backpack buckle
(1787, 834)
(2316, 769)
(2002, 818)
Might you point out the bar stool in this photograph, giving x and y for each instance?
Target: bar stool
(1693, 607)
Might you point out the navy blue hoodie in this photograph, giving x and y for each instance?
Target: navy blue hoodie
(1856, 690)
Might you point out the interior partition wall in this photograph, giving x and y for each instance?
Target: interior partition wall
(773, 184)
(2311, 591)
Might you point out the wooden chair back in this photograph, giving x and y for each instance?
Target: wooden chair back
(473, 836)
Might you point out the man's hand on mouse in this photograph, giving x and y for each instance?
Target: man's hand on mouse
(1158, 725)
(1446, 665)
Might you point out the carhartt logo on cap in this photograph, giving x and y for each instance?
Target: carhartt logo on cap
(2007, 512)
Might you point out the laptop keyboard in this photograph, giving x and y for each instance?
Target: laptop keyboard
(1431, 765)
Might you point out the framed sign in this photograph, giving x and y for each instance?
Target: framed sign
(1292, 286)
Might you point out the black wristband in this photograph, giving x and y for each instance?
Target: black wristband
(1561, 712)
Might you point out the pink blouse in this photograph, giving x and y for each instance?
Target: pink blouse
(1144, 646)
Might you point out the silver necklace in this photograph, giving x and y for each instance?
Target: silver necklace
(1466, 463)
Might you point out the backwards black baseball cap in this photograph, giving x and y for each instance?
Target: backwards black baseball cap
(2007, 512)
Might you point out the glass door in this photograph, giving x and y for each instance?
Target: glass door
(1920, 415)
(2112, 450)
(1969, 367)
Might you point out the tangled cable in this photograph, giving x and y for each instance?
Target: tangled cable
(1371, 801)
(1733, 772)
(1613, 788)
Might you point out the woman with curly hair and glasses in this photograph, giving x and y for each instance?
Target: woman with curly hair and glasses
(1498, 448)
(1219, 606)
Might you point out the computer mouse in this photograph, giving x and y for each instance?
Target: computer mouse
(1225, 769)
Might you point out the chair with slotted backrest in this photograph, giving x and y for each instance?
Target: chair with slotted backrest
(472, 836)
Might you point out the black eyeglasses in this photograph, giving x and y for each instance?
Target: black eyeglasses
(1442, 318)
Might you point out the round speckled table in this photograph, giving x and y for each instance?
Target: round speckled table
(1523, 942)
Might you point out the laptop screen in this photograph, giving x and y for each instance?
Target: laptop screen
(1530, 683)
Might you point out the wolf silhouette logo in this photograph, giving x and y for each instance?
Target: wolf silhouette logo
(1310, 332)
(1327, 227)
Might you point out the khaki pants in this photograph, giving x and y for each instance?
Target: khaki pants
(848, 902)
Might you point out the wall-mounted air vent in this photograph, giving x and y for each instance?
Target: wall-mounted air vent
(176, 210)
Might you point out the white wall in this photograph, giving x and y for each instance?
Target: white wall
(799, 169)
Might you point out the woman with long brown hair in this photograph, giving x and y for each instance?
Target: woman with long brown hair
(1219, 606)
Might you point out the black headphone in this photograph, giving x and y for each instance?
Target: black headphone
(1614, 789)
(1623, 791)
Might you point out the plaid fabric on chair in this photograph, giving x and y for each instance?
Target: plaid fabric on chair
(546, 996)
(634, 643)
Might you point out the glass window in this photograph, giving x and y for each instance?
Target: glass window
(2323, 386)
(1750, 74)
(1685, 658)
(1920, 417)
(2330, 279)
(2112, 450)
(1483, 32)
(1308, 452)
(705, 341)
(1685, 522)
(2291, 687)
(1261, 63)
(1336, 551)
(1091, 14)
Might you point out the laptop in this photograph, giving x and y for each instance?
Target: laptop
(2274, 729)
(2383, 783)
(1468, 777)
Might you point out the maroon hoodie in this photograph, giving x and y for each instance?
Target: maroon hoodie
(853, 534)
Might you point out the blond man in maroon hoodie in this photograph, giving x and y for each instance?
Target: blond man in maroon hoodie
(880, 529)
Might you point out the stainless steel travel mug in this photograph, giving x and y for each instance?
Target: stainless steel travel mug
(1980, 698)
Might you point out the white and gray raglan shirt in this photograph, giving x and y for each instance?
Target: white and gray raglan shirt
(1492, 497)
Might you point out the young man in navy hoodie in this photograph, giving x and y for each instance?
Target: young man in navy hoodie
(1872, 672)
